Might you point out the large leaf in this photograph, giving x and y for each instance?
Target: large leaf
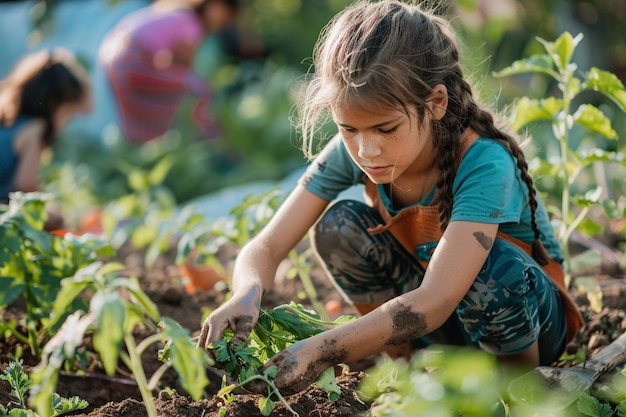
(528, 110)
(608, 84)
(536, 63)
(10, 289)
(188, 361)
(110, 315)
(594, 120)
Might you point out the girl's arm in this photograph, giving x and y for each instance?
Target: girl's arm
(455, 264)
(256, 265)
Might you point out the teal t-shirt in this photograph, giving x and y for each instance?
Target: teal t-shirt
(487, 189)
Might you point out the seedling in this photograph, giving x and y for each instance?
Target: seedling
(563, 116)
(20, 384)
(111, 319)
(275, 330)
(33, 262)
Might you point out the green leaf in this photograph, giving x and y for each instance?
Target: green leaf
(535, 64)
(562, 49)
(143, 235)
(591, 198)
(110, 314)
(138, 180)
(608, 84)
(10, 289)
(188, 361)
(266, 405)
(148, 306)
(328, 383)
(528, 110)
(271, 371)
(161, 169)
(591, 406)
(67, 405)
(594, 120)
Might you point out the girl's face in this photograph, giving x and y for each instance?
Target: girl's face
(388, 145)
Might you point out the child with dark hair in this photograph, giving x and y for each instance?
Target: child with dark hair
(148, 58)
(452, 244)
(41, 94)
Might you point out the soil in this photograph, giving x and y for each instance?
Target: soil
(119, 395)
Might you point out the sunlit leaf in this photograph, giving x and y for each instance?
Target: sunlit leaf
(562, 49)
(536, 63)
(594, 120)
(161, 169)
(528, 110)
(608, 84)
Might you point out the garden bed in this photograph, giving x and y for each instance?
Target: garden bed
(119, 395)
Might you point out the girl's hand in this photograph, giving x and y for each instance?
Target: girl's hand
(240, 314)
(299, 366)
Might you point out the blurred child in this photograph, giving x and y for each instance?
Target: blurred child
(148, 59)
(43, 92)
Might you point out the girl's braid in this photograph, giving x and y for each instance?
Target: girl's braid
(481, 121)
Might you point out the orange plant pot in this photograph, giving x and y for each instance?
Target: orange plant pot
(199, 277)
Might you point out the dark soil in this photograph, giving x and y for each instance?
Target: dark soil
(119, 395)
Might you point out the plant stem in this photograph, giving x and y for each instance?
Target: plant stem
(272, 390)
(133, 361)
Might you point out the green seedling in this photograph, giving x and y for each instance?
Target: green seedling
(110, 320)
(33, 262)
(19, 382)
(564, 114)
(275, 330)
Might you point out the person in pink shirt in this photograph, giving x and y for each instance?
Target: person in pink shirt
(148, 59)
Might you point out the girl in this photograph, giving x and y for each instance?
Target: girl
(42, 93)
(148, 59)
(453, 245)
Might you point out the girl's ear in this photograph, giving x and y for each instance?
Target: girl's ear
(438, 101)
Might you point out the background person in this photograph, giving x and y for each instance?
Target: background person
(39, 96)
(148, 58)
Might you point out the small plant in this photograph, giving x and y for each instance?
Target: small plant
(33, 262)
(439, 381)
(111, 319)
(20, 383)
(275, 330)
(562, 114)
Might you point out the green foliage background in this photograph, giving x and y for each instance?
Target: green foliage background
(255, 91)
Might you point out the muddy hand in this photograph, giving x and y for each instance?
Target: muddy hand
(237, 314)
(298, 367)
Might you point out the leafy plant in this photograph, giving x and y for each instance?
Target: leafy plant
(276, 329)
(111, 319)
(439, 381)
(564, 114)
(19, 382)
(33, 262)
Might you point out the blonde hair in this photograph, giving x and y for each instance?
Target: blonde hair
(392, 54)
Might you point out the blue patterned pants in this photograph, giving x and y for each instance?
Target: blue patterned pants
(510, 305)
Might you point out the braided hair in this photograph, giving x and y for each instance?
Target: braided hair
(390, 53)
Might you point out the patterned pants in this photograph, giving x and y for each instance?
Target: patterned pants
(510, 305)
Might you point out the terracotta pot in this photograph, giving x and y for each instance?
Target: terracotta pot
(199, 277)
